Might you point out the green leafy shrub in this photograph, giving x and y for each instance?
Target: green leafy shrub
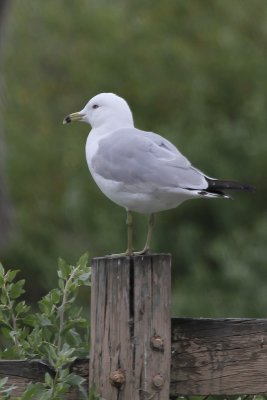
(56, 333)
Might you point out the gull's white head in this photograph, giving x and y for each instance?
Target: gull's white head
(104, 109)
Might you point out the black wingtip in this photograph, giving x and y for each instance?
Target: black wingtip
(249, 188)
(228, 185)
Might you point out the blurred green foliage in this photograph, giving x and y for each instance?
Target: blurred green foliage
(193, 71)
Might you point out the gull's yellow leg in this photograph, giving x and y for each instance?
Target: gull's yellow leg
(129, 223)
(151, 222)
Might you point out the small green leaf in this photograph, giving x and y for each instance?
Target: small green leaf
(64, 268)
(67, 351)
(44, 320)
(30, 320)
(3, 381)
(46, 305)
(51, 354)
(83, 260)
(11, 274)
(3, 299)
(74, 380)
(48, 380)
(6, 333)
(21, 307)
(16, 289)
(85, 276)
(55, 295)
(33, 389)
(2, 271)
(73, 338)
(61, 284)
(47, 395)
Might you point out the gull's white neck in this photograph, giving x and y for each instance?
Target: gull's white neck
(110, 126)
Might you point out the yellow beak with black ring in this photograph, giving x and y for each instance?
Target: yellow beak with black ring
(77, 116)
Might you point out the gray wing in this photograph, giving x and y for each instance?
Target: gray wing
(135, 157)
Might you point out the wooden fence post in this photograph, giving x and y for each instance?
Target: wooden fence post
(131, 327)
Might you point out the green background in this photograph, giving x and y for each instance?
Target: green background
(194, 71)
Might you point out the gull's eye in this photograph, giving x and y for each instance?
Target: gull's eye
(95, 106)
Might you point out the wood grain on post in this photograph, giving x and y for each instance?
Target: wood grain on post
(130, 327)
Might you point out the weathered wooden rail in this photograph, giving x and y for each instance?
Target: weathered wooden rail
(135, 353)
(209, 356)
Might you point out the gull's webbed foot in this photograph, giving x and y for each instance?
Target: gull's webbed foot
(127, 253)
(143, 252)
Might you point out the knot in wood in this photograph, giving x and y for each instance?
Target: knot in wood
(158, 382)
(117, 378)
(157, 343)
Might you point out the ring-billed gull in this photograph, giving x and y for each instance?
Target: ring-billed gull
(140, 171)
